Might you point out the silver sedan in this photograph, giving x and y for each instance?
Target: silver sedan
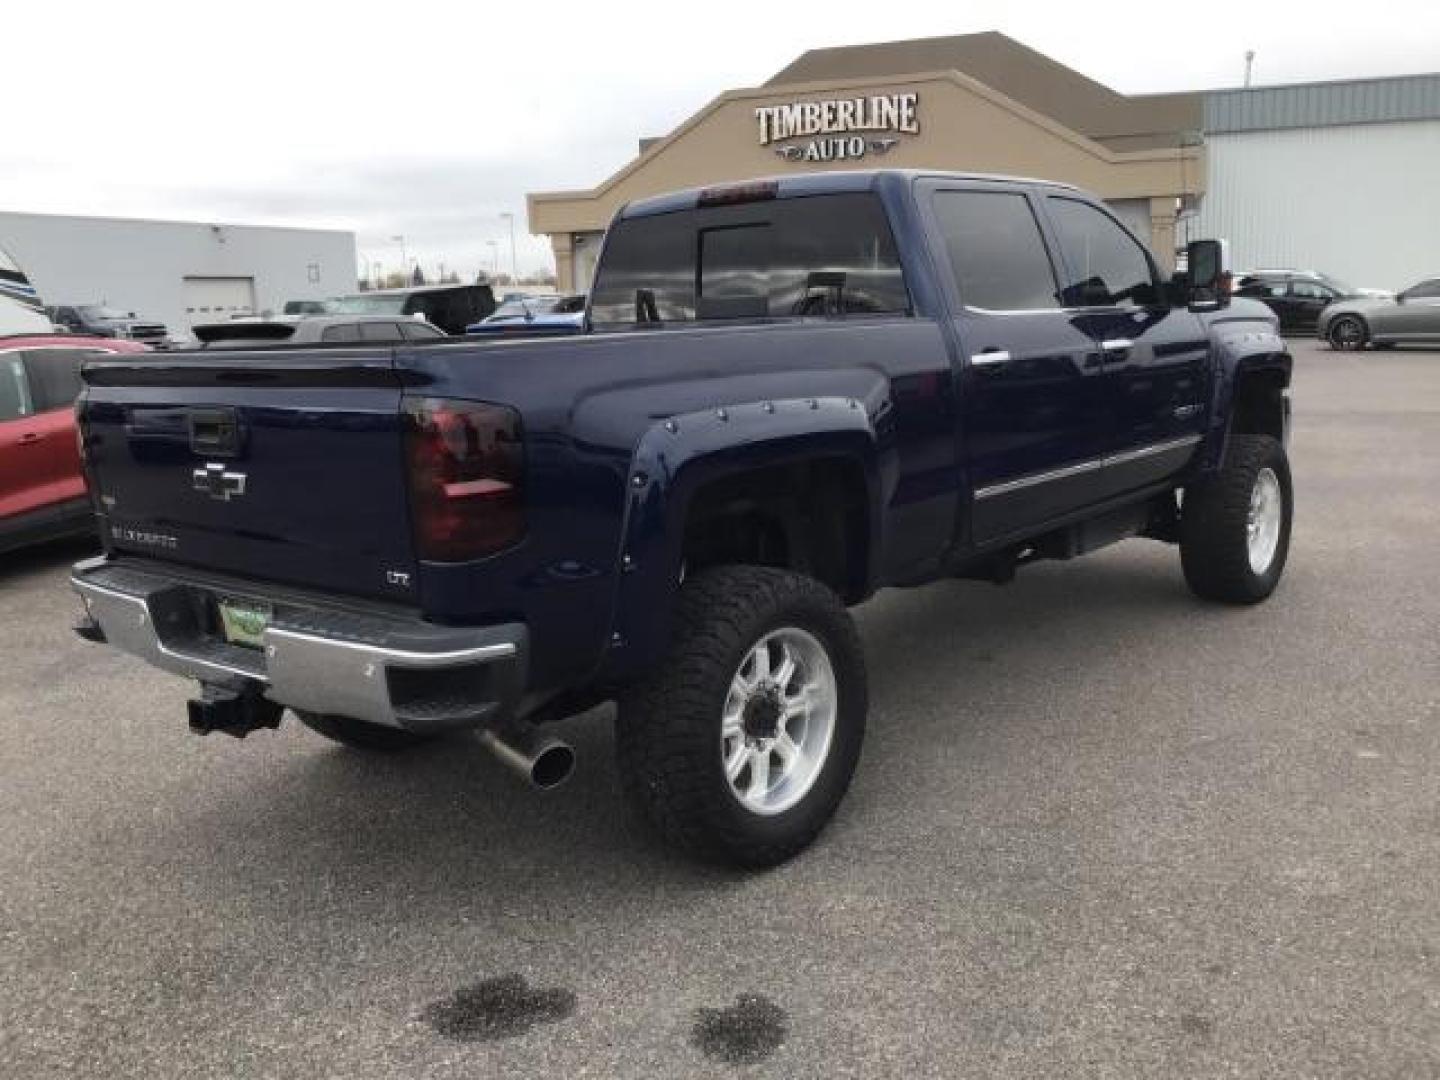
(1413, 316)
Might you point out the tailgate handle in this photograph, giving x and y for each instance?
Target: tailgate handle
(215, 432)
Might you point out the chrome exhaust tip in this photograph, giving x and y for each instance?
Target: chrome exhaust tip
(544, 761)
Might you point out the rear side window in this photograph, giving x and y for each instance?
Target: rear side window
(822, 255)
(379, 331)
(54, 376)
(1107, 266)
(14, 389)
(996, 251)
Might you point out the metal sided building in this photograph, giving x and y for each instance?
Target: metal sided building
(177, 272)
(1336, 176)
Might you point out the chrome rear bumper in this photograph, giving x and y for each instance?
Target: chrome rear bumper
(317, 656)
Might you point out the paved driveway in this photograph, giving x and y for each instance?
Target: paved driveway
(1099, 830)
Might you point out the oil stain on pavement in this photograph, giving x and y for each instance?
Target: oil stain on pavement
(497, 1009)
(749, 1031)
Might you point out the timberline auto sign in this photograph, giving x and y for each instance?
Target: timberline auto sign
(842, 129)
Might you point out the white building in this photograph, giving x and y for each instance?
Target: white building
(1342, 177)
(177, 272)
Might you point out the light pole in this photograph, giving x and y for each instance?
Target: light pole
(494, 246)
(514, 269)
(404, 261)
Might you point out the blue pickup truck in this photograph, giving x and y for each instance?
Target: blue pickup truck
(788, 394)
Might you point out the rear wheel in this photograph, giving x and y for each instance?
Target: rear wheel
(1235, 528)
(1348, 332)
(360, 734)
(742, 744)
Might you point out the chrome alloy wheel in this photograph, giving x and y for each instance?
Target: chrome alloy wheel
(779, 721)
(1262, 526)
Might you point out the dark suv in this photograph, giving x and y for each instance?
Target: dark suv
(1296, 296)
(97, 320)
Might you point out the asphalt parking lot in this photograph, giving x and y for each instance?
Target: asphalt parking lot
(1099, 829)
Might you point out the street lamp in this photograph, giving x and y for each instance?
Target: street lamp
(404, 260)
(494, 246)
(514, 269)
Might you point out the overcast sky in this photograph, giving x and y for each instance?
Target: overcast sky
(429, 120)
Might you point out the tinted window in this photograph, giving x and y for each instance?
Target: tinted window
(419, 331)
(14, 390)
(1107, 267)
(996, 251)
(1252, 286)
(341, 332)
(54, 376)
(1426, 290)
(822, 255)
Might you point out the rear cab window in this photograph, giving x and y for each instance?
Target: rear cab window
(803, 257)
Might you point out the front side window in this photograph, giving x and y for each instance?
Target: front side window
(820, 255)
(1426, 290)
(415, 330)
(996, 251)
(1107, 266)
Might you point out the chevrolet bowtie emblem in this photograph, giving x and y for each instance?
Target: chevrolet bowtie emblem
(218, 483)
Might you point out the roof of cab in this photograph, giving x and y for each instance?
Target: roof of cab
(793, 185)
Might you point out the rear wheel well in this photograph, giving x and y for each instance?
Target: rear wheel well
(808, 516)
(1259, 404)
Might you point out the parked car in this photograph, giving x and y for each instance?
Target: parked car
(450, 307)
(871, 379)
(534, 316)
(42, 489)
(99, 320)
(1412, 316)
(1297, 296)
(315, 330)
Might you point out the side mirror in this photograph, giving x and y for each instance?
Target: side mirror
(1207, 264)
(1399, 298)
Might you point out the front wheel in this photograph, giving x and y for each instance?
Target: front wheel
(1348, 333)
(1235, 527)
(742, 744)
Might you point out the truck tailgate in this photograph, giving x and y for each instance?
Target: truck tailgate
(276, 465)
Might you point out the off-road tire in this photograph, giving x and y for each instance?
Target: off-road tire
(668, 727)
(360, 734)
(1214, 520)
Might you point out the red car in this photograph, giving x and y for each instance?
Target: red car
(42, 492)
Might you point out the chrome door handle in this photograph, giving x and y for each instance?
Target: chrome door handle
(990, 358)
(1118, 344)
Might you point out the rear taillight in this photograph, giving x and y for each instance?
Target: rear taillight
(465, 468)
